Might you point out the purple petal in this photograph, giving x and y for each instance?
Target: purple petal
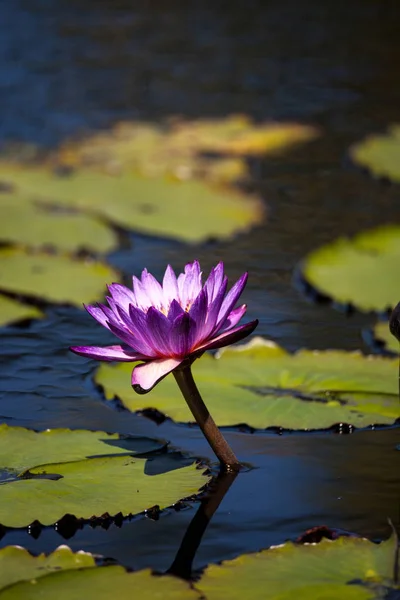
(214, 308)
(137, 343)
(122, 295)
(230, 300)
(145, 376)
(141, 297)
(189, 284)
(107, 353)
(198, 312)
(124, 317)
(159, 330)
(152, 288)
(129, 339)
(170, 286)
(214, 281)
(113, 314)
(230, 337)
(182, 335)
(139, 329)
(97, 313)
(233, 318)
(175, 310)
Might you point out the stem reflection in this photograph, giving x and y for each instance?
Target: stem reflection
(183, 563)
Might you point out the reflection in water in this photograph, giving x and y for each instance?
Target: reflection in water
(183, 563)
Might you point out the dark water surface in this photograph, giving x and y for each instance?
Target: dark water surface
(66, 67)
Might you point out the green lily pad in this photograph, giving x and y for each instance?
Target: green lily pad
(362, 271)
(153, 206)
(382, 335)
(102, 583)
(63, 445)
(25, 223)
(348, 568)
(77, 481)
(380, 154)
(17, 564)
(55, 278)
(262, 385)
(11, 311)
(179, 147)
(238, 135)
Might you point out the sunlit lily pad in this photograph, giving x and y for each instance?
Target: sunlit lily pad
(69, 472)
(64, 445)
(383, 336)
(24, 222)
(380, 154)
(217, 170)
(154, 206)
(239, 135)
(262, 385)
(11, 310)
(362, 271)
(17, 564)
(347, 568)
(55, 278)
(178, 147)
(102, 583)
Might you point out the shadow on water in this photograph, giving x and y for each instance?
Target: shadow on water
(70, 66)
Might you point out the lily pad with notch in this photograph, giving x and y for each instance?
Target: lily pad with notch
(77, 480)
(360, 272)
(262, 385)
(348, 568)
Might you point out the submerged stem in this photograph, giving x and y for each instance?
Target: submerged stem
(214, 437)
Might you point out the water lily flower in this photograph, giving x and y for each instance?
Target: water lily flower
(163, 325)
(167, 326)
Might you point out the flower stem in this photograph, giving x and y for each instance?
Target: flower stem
(214, 437)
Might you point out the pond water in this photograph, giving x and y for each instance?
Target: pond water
(67, 67)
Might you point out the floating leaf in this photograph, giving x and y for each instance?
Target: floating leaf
(17, 564)
(262, 385)
(382, 335)
(127, 145)
(77, 481)
(239, 135)
(219, 170)
(102, 583)
(177, 148)
(11, 310)
(362, 271)
(23, 222)
(155, 206)
(348, 568)
(63, 445)
(54, 278)
(380, 154)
